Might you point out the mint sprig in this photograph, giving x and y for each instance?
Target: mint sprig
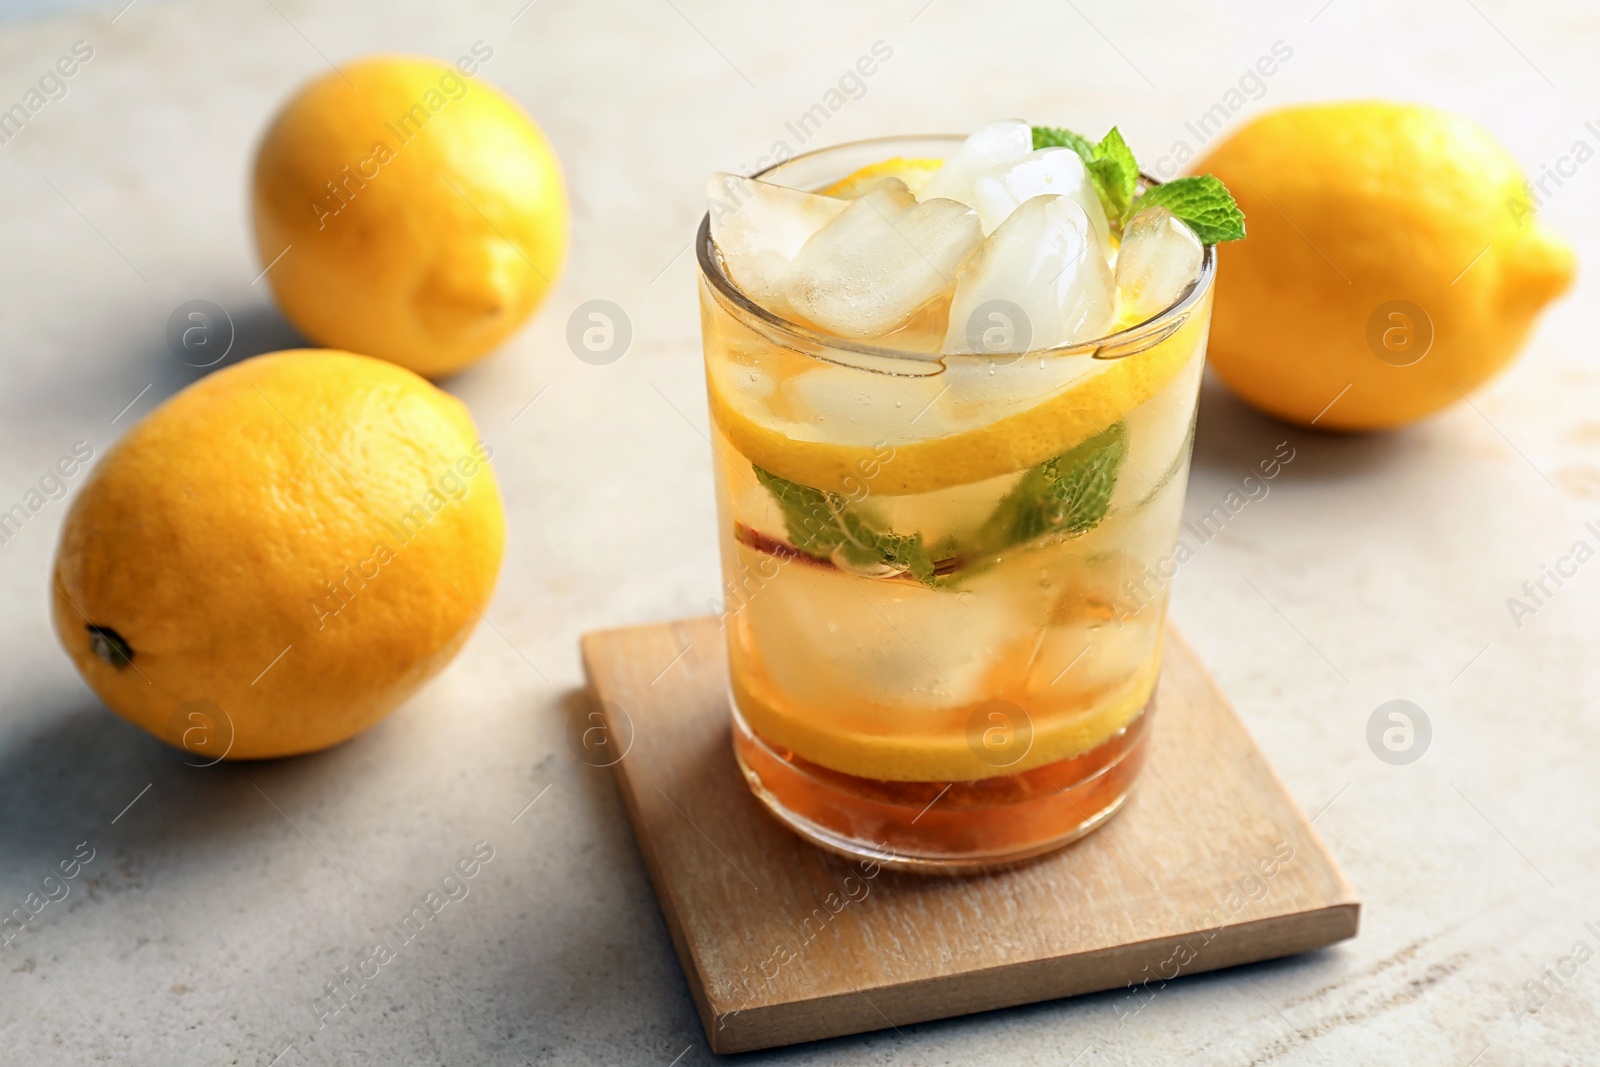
(1115, 174)
(824, 526)
(1062, 497)
(1203, 203)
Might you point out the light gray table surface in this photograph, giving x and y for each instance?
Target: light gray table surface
(218, 904)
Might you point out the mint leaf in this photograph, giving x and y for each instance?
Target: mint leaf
(1202, 202)
(1061, 497)
(1115, 173)
(1055, 137)
(824, 526)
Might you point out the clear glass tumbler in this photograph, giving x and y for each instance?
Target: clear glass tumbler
(945, 577)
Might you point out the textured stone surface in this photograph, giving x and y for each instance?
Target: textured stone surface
(218, 905)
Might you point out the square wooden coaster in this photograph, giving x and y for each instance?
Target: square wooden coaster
(1210, 864)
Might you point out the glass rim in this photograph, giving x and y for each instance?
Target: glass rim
(1119, 344)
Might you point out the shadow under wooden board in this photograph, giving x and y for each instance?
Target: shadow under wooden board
(1210, 864)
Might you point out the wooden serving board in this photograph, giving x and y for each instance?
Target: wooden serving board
(1210, 864)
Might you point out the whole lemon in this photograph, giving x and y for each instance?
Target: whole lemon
(1393, 263)
(280, 554)
(419, 214)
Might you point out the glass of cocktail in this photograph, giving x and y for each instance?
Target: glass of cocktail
(952, 386)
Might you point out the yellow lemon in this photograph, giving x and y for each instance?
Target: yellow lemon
(280, 554)
(408, 210)
(1393, 263)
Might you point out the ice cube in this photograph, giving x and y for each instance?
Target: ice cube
(758, 228)
(1038, 281)
(829, 639)
(993, 145)
(1158, 259)
(999, 190)
(849, 405)
(881, 260)
(1087, 654)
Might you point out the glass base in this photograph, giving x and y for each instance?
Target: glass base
(944, 827)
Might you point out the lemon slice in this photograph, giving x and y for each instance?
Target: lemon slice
(941, 755)
(1087, 404)
(916, 173)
